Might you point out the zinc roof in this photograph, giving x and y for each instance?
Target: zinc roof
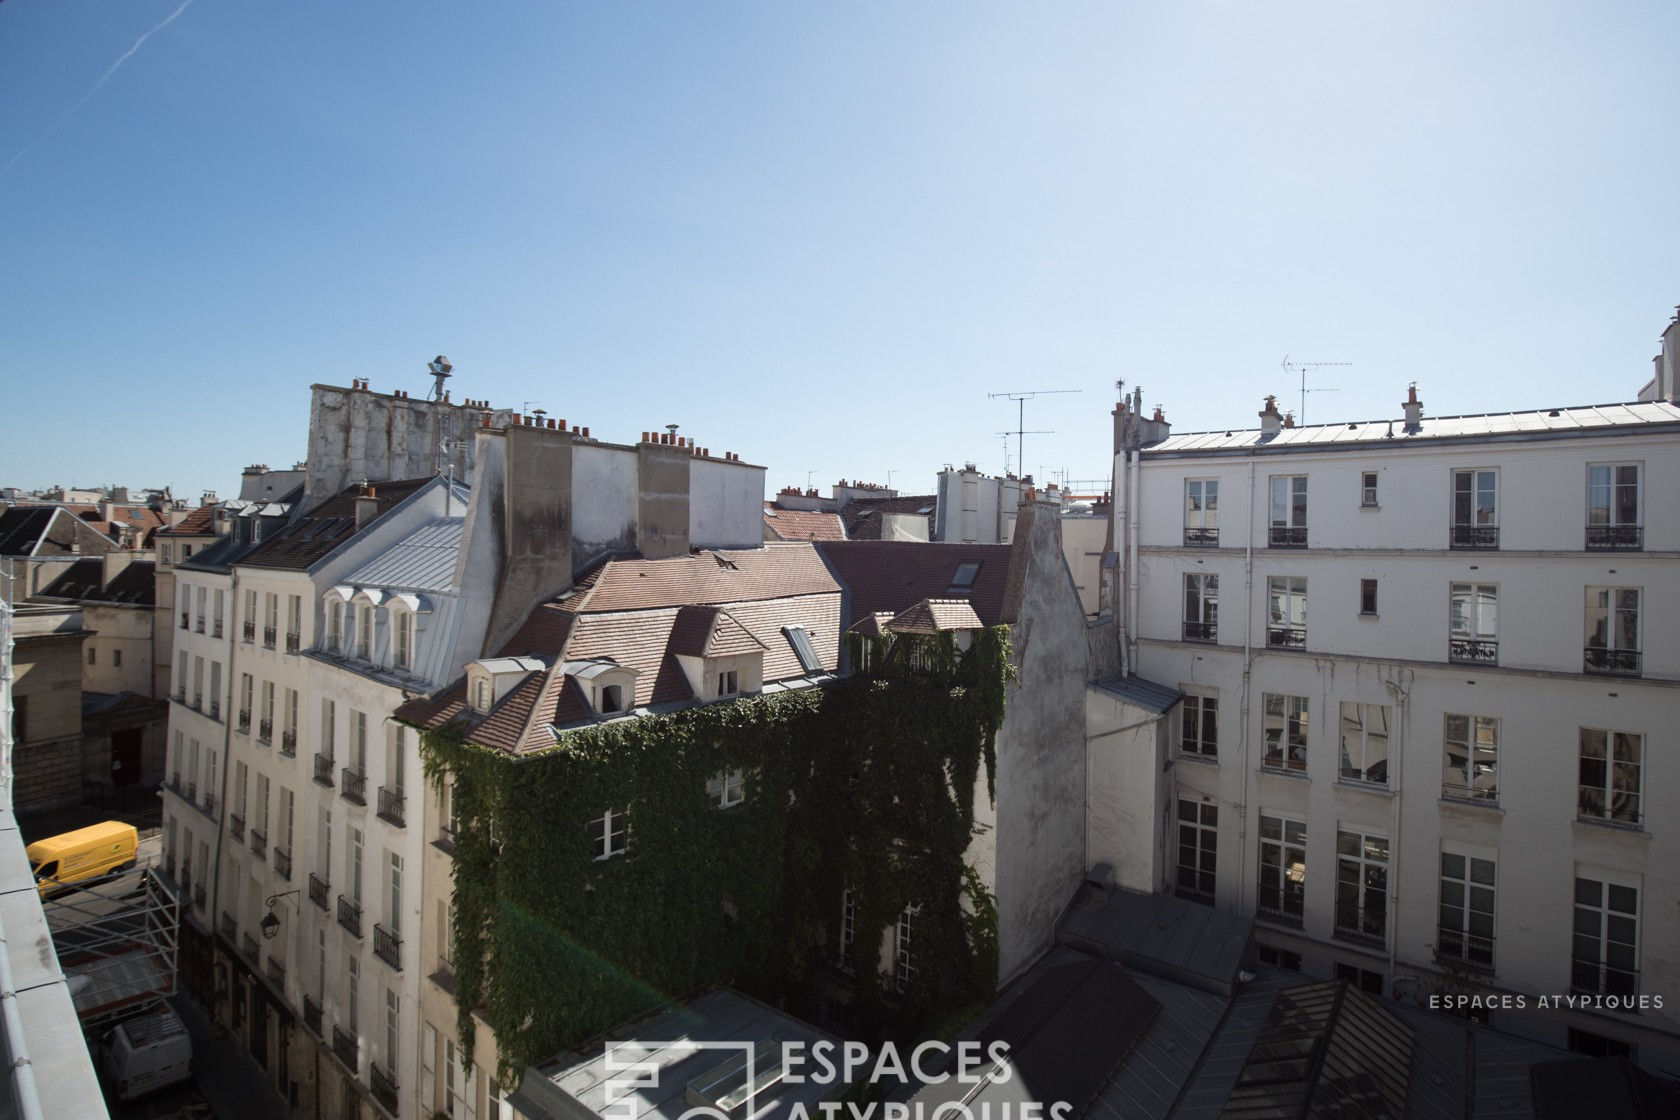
(422, 561)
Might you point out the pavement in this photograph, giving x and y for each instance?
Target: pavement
(230, 1079)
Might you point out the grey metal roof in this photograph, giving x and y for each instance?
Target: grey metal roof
(1154, 1074)
(1146, 694)
(422, 561)
(1583, 418)
(1162, 935)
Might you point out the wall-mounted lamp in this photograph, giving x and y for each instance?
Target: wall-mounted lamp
(270, 924)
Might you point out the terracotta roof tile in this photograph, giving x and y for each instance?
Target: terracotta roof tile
(707, 578)
(931, 616)
(892, 576)
(438, 710)
(201, 522)
(862, 516)
(509, 720)
(803, 525)
(710, 632)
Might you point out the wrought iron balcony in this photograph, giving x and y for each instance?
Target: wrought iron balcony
(387, 946)
(391, 804)
(248, 947)
(283, 863)
(1463, 948)
(276, 973)
(1286, 637)
(210, 804)
(1473, 651)
(265, 731)
(186, 620)
(1475, 538)
(353, 785)
(198, 626)
(318, 889)
(216, 629)
(1287, 536)
(312, 1016)
(1201, 538)
(347, 1046)
(245, 721)
(250, 631)
(291, 642)
(198, 701)
(1361, 923)
(1469, 793)
(259, 844)
(175, 781)
(1201, 631)
(181, 695)
(350, 915)
(228, 927)
(1596, 978)
(384, 1086)
(1615, 538)
(1622, 662)
(288, 742)
(324, 770)
(268, 636)
(192, 791)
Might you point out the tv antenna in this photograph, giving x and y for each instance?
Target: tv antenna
(439, 368)
(1017, 432)
(1302, 368)
(1020, 400)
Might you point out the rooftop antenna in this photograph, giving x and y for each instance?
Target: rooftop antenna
(439, 368)
(1018, 433)
(1020, 400)
(1302, 368)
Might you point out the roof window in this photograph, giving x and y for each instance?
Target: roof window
(800, 640)
(963, 578)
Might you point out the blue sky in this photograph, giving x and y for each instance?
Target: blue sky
(819, 234)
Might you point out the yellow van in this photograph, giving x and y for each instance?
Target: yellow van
(86, 853)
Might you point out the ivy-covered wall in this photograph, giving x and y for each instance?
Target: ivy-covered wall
(867, 784)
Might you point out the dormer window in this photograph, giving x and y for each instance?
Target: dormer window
(728, 683)
(610, 687)
(403, 639)
(481, 695)
(364, 631)
(610, 698)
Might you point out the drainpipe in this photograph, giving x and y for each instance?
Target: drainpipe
(221, 797)
(1396, 755)
(1246, 742)
(1132, 568)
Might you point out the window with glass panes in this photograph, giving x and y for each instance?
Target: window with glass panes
(1470, 768)
(1465, 928)
(1609, 786)
(1200, 720)
(1283, 865)
(1198, 847)
(1605, 956)
(1285, 720)
(1362, 884)
(1365, 739)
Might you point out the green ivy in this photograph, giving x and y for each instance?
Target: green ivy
(865, 785)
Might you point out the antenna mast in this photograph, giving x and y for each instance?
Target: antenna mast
(1302, 368)
(1020, 400)
(439, 368)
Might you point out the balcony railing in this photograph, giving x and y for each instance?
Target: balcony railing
(198, 626)
(216, 629)
(181, 695)
(384, 1086)
(250, 631)
(245, 721)
(347, 1047)
(1615, 538)
(1201, 538)
(276, 973)
(1622, 662)
(192, 791)
(353, 785)
(229, 928)
(259, 844)
(215, 708)
(186, 620)
(210, 804)
(1473, 651)
(198, 701)
(1596, 978)
(175, 782)
(248, 946)
(291, 642)
(1475, 537)
(350, 915)
(1287, 536)
(1465, 948)
(1201, 631)
(318, 889)
(186, 881)
(1462, 792)
(265, 731)
(268, 636)
(288, 743)
(312, 1015)
(1286, 637)
(1361, 923)
(1284, 907)
(391, 803)
(324, 770)
(387, 946)
(283, 863)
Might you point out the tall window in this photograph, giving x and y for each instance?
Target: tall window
(329, 720)
(1283, 865)
(1614, 518)
(271, 619)
(265, 729)
(1286, 732)
(241, 778)
(215, 684)
(395, 760)
(1475, 518)
(1367, 596)
(1201, 512)
(202, 595)
(1365, 737)
(1198, 848)
(249, 626)
(1362, 885)
(216, 614)
(904, 965)
(1288, 521)
(848, 929)
(1612, 630)
(358, 741)
(364, 631)
(1201, 725)
(288, 736)
(608, 834)
(393, 1024)
(393, 892)
(352, 981)
(1610, 786)
(1286, 611)
(261, 816)
(1465, 929)
(335, 625)
(1474, 637)
(403, 636)
(1201, 607)
(356, 844)
(1368, 489)
(1471, 766)
(1605, 960)
(288, 805)
(725, 789)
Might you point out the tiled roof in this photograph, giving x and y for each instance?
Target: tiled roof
(201, 522)
(710, 632)
(803, 524)
(862, 516)
(422, 561)
(930, 616)
(84, 581)
(894, 575)
(707, 578)
(307, 539)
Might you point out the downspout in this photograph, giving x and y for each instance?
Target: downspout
(1245, 742)
(227, 767)
(1396, 756)
(1132, 568)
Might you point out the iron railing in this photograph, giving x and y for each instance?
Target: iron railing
(1280, 536)
(1201, 538)
(216, 629)
(353, 785)
(268, 636)
(1286, 637)
(1473, 651)
(236, 828)
(324, 770)
(1201, 631)
(250, 631)
(1361, 923)
(1475, 537)
(288, 742)
(1598, 978)
(210, 804)
(391, 804)
(347, 1046)
(1622, 662)
(312, 1015)
(1615, 538)
(350, 915)
(245, 721)
(283, 863)
(265, 731)
(186, 620)
(291, 642)
(259, 844)
(198, 626)
(387, 946)
(384, 1086)
(318, 890)
(276, 973)
(1464, 948)
(192, 791)
(215, 708)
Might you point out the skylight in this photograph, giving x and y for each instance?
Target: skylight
(963, 578)
(801, 642)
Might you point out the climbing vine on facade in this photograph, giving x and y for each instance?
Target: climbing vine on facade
(566, 920)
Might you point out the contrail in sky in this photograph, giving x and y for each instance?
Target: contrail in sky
(97, 86)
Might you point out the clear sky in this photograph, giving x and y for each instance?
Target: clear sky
(818, 234)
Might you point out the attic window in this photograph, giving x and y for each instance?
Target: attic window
(801, 642)
(611, 699)
(728, 683)
(963, 579)
(481, 694)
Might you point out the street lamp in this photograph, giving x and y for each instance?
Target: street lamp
(270, 924)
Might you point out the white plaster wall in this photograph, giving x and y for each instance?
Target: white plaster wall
(603, 500)
(1126, 798)
(118, 628)
(725, 504)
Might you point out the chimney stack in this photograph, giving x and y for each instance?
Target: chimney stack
(1271, 420)
(1414, 410)
(367, 505)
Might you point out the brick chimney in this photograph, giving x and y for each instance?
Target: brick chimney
(1271, 420)
(367, 506)
(1414, 410)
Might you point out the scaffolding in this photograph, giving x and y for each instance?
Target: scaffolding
(118, 942)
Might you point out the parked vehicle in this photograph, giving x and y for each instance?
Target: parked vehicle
(147, 1052)
(87, 853)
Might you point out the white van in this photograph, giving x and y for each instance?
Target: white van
(147, 1053)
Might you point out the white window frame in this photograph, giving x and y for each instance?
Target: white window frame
(1362, 883)
(1355, 756)
(1199, 734)
(1285, 854)
(727, 788)
(1201, 512)
(1291, 751)
(1608, 797)
(610, 834)
(1605, 637)
(904, 959)
(1473, 617)
(1613, 919)
(1477, 756)
(1282, 490)
(1477, 476)
(1198, 847)
(1469, 896)
(1368, 481)
(1286, 612)
(1614, 517)
(1201, 606)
